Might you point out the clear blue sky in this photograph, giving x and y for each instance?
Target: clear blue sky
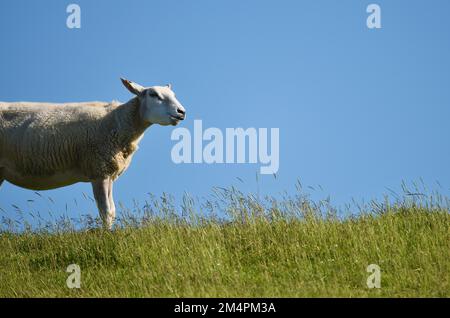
(358, 110)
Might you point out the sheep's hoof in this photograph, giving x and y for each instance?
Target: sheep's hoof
(108, 224)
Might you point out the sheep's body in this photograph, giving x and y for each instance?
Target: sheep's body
(45, 146)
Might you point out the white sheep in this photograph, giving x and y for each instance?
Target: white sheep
(46, 146)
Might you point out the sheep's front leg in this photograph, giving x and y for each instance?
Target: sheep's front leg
(103, 196)
(111, 200)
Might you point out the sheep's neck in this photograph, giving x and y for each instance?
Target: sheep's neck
(128, 124)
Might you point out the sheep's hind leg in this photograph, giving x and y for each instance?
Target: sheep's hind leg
(101, 189)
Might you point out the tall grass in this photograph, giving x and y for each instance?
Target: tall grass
(237, 245)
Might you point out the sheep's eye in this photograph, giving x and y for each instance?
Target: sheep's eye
(155, 95)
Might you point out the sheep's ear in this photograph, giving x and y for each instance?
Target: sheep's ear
(169, 86)
(133, 87)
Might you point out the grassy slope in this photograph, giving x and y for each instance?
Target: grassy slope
(308, 257)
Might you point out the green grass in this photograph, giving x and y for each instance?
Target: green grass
(287, 248)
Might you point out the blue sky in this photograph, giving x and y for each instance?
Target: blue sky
(358, 110)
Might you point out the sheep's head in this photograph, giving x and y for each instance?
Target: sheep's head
(158, 104)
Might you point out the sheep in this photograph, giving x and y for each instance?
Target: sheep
(45, 146)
